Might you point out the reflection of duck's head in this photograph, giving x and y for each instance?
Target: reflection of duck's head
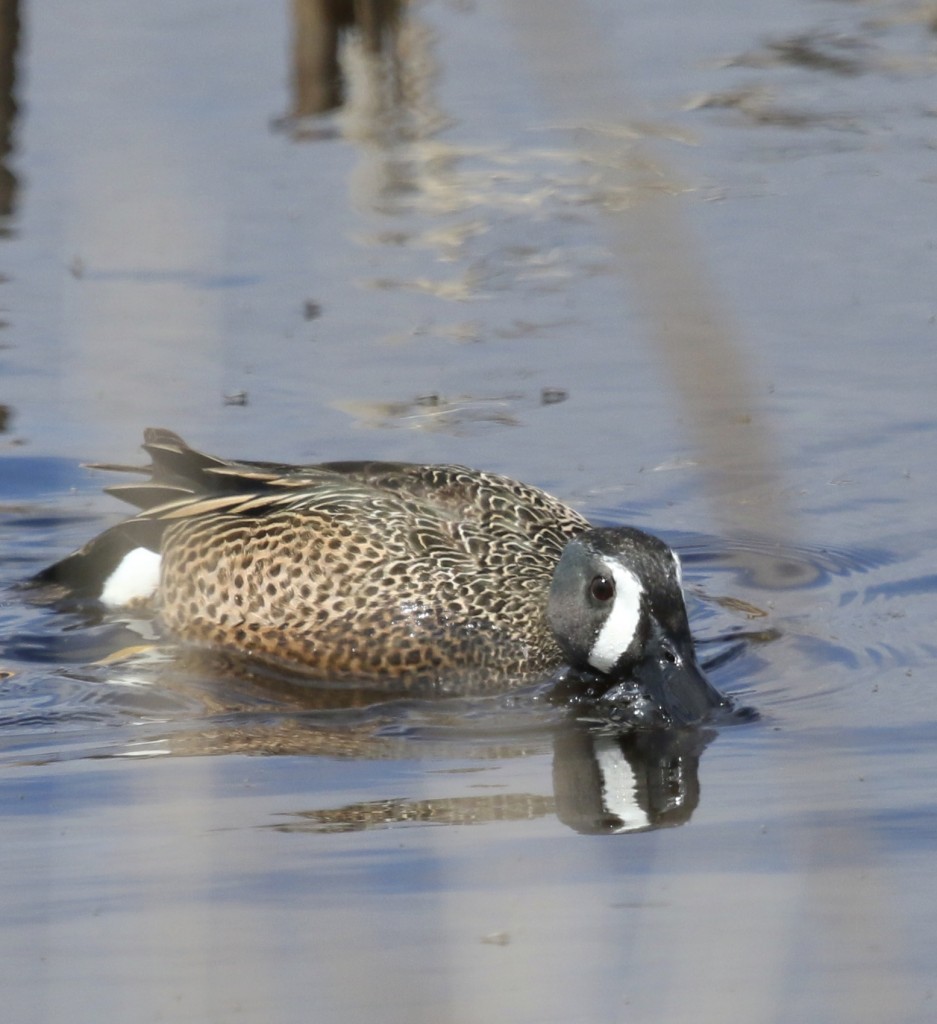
(616, 608)
(605, 781)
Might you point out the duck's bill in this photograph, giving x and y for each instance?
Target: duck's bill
(674, 682)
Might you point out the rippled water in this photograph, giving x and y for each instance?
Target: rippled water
(675, 267)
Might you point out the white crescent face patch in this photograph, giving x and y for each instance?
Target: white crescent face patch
(619, 629)
(135, 578)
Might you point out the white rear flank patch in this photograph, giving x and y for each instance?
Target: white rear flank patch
(135, 579)
(619, 628)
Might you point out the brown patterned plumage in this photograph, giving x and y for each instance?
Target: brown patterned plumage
(421, 574)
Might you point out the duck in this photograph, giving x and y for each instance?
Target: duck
(423, 578)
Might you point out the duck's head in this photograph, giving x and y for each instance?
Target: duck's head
(617, 610)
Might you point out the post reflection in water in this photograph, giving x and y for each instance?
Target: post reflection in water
(319, 26)
(9, 45)
(9, 185)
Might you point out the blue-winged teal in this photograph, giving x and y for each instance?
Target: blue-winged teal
(436, 577)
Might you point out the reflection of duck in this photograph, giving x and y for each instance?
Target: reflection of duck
(603, 782)
(454, 810)
(436, 578)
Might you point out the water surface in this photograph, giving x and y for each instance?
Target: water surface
(676, 267)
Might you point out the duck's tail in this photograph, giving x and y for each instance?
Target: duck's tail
(121, 565)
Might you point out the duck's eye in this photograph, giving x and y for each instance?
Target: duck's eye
(602, 589)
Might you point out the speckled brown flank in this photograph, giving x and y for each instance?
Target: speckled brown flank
(367, 571)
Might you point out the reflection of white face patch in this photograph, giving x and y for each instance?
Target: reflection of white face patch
(620, 627)
(619, 785)
(135, 578)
